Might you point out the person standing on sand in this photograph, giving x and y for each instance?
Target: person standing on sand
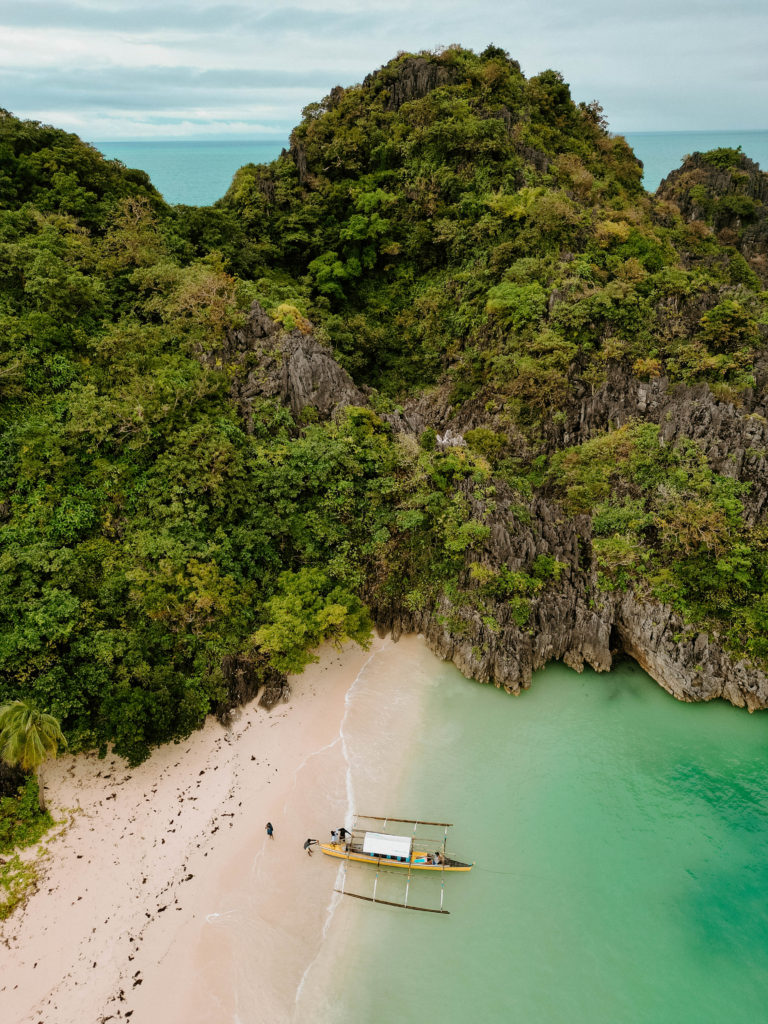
(270, 830)
(308, 844)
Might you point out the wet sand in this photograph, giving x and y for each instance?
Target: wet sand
(164, 900)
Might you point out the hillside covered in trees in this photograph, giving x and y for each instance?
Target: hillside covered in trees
(444, 365)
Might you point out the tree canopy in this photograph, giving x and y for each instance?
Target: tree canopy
(455, 233)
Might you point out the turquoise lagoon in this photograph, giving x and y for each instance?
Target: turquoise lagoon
(620, 840)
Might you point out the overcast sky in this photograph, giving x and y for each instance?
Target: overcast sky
(114, 69)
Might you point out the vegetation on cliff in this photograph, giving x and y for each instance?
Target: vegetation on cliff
(464, 240)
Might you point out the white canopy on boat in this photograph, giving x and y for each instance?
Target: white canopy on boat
(381, 845)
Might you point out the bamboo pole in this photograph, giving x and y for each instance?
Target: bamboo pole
(407, 821)
(389, 903)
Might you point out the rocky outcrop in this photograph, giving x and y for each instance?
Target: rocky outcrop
(299, 157)
(570, 619)
(727, 191)
(488, 638)
(291, 367)
(686, 662)
(277, 691)
(411, 79)
(734, 440)
(244, 677)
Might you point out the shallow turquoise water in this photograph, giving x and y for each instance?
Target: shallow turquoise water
(199, 173)
(620, 840)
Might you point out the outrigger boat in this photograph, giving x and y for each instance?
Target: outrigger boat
(383, 849)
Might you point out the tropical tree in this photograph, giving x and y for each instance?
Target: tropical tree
(28, 737)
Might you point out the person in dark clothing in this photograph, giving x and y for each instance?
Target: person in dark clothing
(308, 844)
(343, 833)
(270, 829)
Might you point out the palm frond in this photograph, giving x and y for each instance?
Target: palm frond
(27, 735)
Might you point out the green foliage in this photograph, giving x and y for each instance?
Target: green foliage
(728, 327)
(18, 879)
(428, 439)
(517, 306)
(488, 443)
(22, 823)
(28, 736)
(664, 521)
(486, 237)
(723, 158)
(309, 610)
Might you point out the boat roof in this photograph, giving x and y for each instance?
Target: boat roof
(383, 845)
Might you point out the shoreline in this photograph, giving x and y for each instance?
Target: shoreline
(164, 900)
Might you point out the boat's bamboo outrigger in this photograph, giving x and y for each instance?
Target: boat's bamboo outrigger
(386, 850)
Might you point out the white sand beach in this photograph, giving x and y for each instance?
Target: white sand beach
(164, 900)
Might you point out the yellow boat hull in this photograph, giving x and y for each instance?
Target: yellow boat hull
(417, 862)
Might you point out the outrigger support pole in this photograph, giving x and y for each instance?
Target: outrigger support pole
(406, 821)
(442, 873)
(389, 903)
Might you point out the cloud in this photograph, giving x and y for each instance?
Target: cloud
(181, 19)
(663, 64)
(145, 87)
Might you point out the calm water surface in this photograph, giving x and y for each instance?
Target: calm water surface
(662, 152)
(199, 173)
(193, 173)
(620, 840)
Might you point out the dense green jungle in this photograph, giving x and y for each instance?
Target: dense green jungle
(461, 238)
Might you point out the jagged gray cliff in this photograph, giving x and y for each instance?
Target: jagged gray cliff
(734, 439)
(571, 619)
(289, 366)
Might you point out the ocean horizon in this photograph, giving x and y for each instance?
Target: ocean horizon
(198, 172)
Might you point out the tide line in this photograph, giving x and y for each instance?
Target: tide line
(335, 896)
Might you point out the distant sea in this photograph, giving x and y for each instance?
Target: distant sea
(193, 173)
(199, 173)
(662, 152)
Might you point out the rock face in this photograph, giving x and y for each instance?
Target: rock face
(735, 440)
(489, 640)
(570, 619)
(414, 78)
(688, 664)
(243, 678)
(292, 367)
